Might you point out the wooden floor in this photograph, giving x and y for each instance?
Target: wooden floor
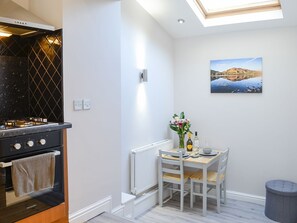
(233, 212)
(108, 218)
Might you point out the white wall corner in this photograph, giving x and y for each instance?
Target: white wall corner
(91, 211)
(246, 197)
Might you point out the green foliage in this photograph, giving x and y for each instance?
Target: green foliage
(180, 124)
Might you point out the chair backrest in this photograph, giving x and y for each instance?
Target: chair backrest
(171, 162)
(222, 167)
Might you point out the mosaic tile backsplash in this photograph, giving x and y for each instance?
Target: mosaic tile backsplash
(14, 98)
(31, 81)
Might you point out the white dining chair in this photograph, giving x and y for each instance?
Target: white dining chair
(215, 180)
(171, 171)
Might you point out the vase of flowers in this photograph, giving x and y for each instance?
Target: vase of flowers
(181, 126)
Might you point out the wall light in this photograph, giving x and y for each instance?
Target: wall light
(5, 34)
(54, 41)
(143, 75)
(181, 21)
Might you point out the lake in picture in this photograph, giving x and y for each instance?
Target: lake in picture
(236, 75)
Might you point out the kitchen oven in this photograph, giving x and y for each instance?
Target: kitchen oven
(12, 207)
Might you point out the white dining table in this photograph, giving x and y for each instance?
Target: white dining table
(201, 163)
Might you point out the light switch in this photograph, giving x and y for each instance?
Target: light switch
(86, 104)
(77, 104)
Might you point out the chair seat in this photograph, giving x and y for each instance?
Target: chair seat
(211, 176)
(176, 177)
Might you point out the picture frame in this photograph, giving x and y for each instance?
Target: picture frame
(243, 75)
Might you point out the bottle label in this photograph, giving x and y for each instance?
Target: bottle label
(189, 147)
(196, 143)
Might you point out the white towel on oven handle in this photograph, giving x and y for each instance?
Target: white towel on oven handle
(33, 174)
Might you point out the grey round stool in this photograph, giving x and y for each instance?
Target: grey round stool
(281, 201)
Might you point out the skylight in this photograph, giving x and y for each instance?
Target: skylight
(222, 12)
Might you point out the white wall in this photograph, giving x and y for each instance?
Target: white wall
(92, 69)
(50, 11)
(260, 129)
(146, 107)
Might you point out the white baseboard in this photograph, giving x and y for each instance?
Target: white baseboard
(246, 197)
(91, 211)
(119, 211)
(145, 202)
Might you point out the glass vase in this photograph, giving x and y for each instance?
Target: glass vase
(181, 141)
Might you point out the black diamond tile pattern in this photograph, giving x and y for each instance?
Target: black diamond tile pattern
(31, 82)
(13, 46)
(45, 76)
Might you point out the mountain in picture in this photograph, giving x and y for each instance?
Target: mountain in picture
(236, 76)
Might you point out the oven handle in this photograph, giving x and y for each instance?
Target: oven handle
(8, 164)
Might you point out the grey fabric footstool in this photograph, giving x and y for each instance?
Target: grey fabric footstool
(281, 201)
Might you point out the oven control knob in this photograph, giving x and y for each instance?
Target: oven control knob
(30, 143)
(42, 142)
(17, 146)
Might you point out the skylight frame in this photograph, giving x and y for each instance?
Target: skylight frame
(243, 9)
(245, 13)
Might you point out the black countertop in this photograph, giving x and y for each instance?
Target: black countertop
(30, 130)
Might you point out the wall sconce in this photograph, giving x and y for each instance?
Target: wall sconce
(143, 75)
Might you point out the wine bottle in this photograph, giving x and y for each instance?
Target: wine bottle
(189, 143)
(196, 142)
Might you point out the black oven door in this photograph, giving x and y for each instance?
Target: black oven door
(14, 208)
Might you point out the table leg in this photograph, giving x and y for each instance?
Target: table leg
(160, 183)
(204, 191)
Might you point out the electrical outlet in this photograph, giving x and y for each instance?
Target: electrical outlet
(77, 104)
(86, 104)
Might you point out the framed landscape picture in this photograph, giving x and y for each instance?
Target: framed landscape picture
(236, 75)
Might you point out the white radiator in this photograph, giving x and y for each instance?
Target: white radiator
(144, 166)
